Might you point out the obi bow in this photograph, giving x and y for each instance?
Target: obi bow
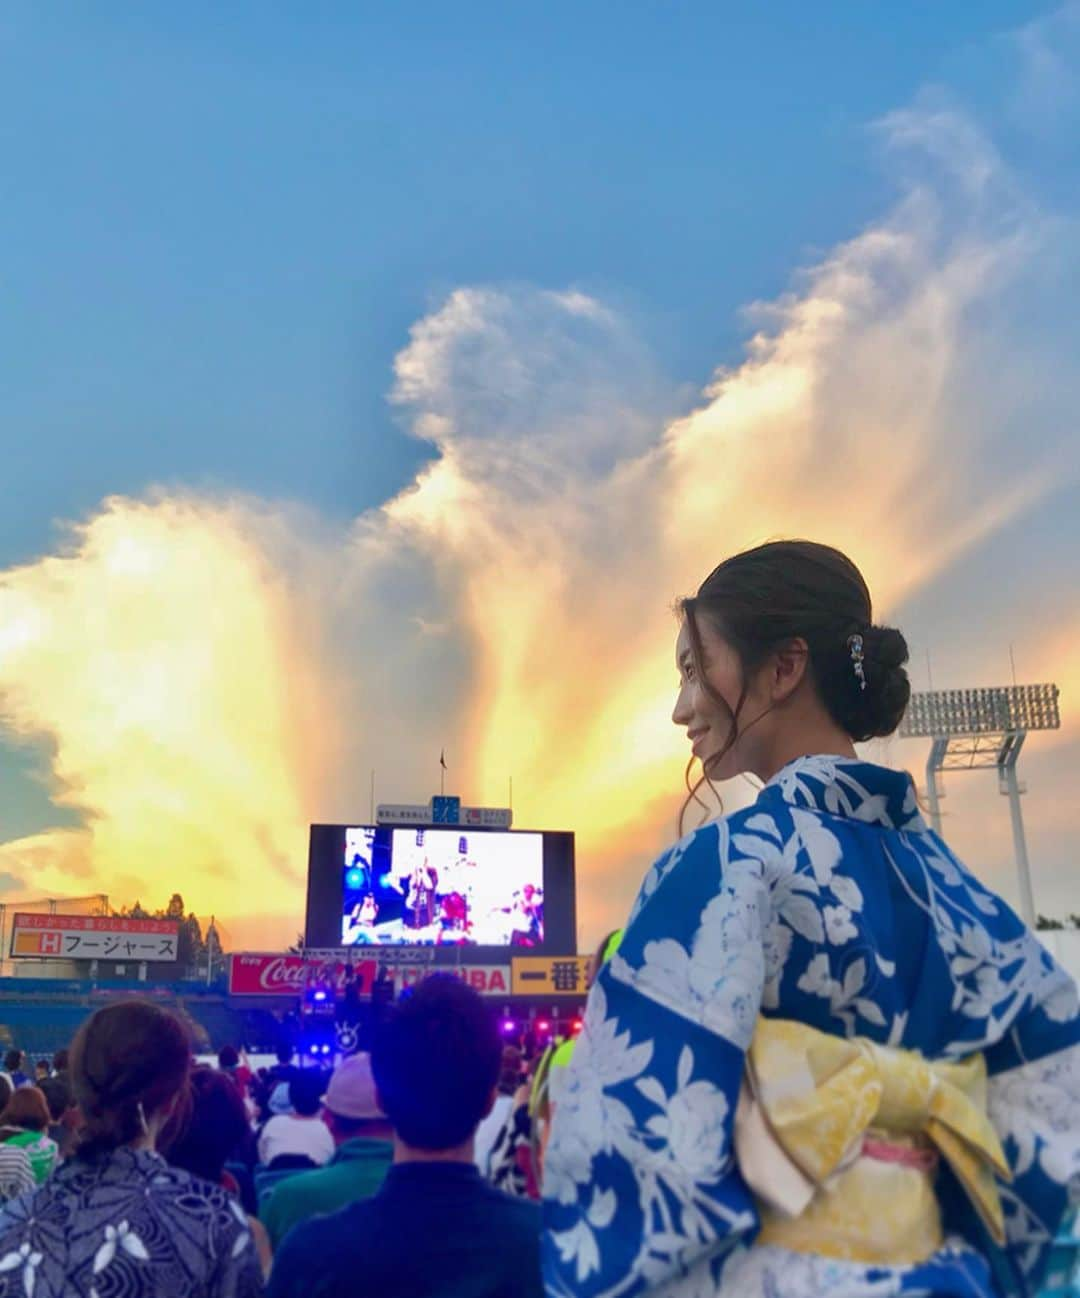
(811, 1102)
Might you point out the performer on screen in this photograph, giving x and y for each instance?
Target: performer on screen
(364, 913)
(454, 919)
(421, 899)
(527, 917)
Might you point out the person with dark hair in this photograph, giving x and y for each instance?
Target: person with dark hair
(60, 1063)
(511, 1074)
(231, 1063)
(64, 1116)
(24, 1124)
(436, 1229)
(300, 1134)
(815, 1007)
(115, 1218)
(41, 1071)
(272, 1091)
(16, 1173)
(13, 1067)
(364, 1150)
(216, 1130)
(216, 1126)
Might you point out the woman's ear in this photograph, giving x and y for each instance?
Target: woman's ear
(788, 668)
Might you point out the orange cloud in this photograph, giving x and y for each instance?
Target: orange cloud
(211, 675)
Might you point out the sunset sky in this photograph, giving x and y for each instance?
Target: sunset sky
(376, 377)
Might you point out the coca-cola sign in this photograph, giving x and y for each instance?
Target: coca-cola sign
(258, 974)
(264, 974)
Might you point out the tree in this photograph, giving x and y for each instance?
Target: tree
(190, 947)
(214, 952)
(175, 908)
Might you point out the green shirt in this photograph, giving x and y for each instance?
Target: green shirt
(41, 1151)
(355, 1172)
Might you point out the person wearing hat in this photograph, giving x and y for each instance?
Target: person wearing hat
(364, 1150)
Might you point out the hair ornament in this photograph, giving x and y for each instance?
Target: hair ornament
(858, 659)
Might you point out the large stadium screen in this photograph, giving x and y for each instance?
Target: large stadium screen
(384, 886)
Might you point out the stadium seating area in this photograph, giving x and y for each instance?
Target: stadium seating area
(40, 1016)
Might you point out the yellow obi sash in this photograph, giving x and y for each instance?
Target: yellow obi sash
(837, 1138)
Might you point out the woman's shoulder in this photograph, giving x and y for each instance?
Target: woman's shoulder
(146, 1173)
(720, 844)
(752, 832)
(174, 1192)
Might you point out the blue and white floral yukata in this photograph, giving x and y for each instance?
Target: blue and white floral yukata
(830, 907)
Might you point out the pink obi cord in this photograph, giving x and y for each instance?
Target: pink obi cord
(884, 1151)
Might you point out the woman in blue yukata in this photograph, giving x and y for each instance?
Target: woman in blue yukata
(825, 1060)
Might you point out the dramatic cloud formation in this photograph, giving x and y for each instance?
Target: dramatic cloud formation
(213, 674)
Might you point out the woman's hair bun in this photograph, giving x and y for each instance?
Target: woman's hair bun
(767, 597)
(879, 709)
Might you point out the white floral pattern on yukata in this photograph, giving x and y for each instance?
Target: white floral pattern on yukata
(831, 903)
(126, 1226)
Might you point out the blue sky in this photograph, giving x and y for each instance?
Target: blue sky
(221, 222)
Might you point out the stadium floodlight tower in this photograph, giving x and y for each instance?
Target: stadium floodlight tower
(980, 729)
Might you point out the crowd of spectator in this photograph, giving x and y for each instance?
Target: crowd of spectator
(128, 1168)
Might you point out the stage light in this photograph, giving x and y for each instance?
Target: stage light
(508, 1025)
(313, 1050)
(354, 878)
(326, 1050)
(577, 1026)
(320, 995)
(543, 1026)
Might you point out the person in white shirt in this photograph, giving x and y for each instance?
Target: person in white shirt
(302, 1133)
(488, 1131)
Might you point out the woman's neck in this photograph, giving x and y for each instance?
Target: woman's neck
(810, 741)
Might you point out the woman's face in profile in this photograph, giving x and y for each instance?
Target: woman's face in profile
(708, 724)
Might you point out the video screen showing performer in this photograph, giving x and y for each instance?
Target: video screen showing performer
(434, 887)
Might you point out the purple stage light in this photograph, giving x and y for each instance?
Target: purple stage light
(508, 1025)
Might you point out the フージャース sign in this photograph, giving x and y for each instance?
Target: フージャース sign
(93, 937)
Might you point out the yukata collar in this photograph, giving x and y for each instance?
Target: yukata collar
(850, 789)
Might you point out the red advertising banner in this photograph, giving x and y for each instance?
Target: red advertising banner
(96, 924)
(254, 973)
